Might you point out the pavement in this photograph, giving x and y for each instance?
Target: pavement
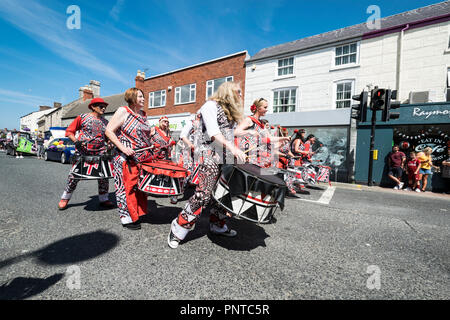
(347, 242)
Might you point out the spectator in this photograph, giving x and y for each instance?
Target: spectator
(412, 168)
(16, 139)
(40, 146)
(396, 163)
(426, 162)
(446, 171)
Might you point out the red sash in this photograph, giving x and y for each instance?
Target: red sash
(136, 200)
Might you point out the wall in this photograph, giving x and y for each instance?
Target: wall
(232, 66)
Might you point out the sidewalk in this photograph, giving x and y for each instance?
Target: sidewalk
(361, 187)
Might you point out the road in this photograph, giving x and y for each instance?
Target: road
(342, 242)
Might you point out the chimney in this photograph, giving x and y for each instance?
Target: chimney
(140, 77)
(87, 94)
(95, 87)
(42, 108)
(56, 105)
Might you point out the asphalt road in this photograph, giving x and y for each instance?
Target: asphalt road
(338, 243)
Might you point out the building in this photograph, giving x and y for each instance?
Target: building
(30, 121)
(310, 82)
(55, 116)
(180, 93)
(114, 102)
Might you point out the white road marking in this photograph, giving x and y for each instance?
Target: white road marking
(325, 198)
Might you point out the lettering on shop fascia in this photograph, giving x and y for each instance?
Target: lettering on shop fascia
(417, 112)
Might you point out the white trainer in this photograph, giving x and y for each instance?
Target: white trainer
(400, 186)
(418, 190)
(172, 241)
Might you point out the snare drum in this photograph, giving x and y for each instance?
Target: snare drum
(247, 194)
(92, 167)
(161, 178)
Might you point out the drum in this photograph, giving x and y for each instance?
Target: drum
(161, 178)
(247, 194)
(92, 167)
(323, 174)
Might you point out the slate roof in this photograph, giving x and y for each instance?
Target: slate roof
(79, 107)
(359, 30)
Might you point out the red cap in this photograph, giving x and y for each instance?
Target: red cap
(96, 101)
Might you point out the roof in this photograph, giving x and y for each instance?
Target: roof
(114, 102)
(424, 14)
(201, 63)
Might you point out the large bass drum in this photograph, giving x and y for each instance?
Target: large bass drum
(161, 178)
(92, 167)
(248, 192)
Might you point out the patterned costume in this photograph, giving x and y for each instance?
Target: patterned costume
(134, 133)
(260, 156)
(209, 172)
(163, 153)
(92, 131)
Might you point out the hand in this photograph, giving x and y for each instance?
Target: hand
(128, 152)
(238, 154)
(79, 144)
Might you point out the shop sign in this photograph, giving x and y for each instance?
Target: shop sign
(438, 145)
(418, 112)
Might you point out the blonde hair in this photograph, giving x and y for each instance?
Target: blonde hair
(131, 95)
(257, 104)
(230, 102)
(427, 150)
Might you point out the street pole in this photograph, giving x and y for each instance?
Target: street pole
(372, 147)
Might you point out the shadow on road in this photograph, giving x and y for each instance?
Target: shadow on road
(93, 204)
(22, 288)
(70, 250)
(159, 214)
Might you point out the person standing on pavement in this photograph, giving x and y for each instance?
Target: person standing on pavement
(412, 169)
(16, 139)
(396, 163)
(426, 162)
(445, 171)
(91, 128)
(40, 146)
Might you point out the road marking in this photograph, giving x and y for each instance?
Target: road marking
(325, 198)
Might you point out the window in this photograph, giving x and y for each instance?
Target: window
(284, 100)
(346, 54)
(344, 91)
(157, 99)
(286, 66)
(212, 85)
(185, 94)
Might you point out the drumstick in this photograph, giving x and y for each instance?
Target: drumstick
(139, 150)
(251, 149)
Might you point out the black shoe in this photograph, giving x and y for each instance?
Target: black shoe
(133, 226)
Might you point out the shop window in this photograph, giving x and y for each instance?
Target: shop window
(418, 137)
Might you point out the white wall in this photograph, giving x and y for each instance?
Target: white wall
(425, 58)
(30, 121)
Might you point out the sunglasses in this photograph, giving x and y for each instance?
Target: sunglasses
(101, 106)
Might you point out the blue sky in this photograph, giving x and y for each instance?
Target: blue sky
(42, 61)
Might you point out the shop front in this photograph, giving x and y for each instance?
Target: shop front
(418, 127)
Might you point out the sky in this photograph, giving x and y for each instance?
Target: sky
(43, 59)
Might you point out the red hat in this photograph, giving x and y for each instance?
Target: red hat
(163, 118)
(96, 101)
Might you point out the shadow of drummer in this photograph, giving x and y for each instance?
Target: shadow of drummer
(249, 235)
(93, 205)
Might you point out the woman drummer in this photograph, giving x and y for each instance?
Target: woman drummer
(160, 135)
(218, 118)
(253, 133)
(128, 130)
(91, 141)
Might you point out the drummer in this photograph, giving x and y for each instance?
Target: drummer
(91, 141)
(298, 146)
(253, 133)
(160, 135)
(128, 130)
(218, 116)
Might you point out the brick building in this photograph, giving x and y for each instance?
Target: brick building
(180, 93)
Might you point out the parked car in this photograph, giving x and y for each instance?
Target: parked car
(27, 144)
(60, 149)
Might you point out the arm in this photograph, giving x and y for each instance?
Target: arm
(241, 129)
(219, 138)
(115, 123)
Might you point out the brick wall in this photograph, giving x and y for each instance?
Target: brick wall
(230, 66)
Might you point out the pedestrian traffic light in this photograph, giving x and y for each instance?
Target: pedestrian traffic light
(389, 104)
(359, 111)
(378, 99)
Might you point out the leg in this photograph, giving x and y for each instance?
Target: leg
(424, 182)
(67, 194)
(103, 188)
(121, 196)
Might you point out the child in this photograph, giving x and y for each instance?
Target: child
(413, 167)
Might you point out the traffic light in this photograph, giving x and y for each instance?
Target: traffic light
(378, 99)
(359, 111)
(389, 104)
